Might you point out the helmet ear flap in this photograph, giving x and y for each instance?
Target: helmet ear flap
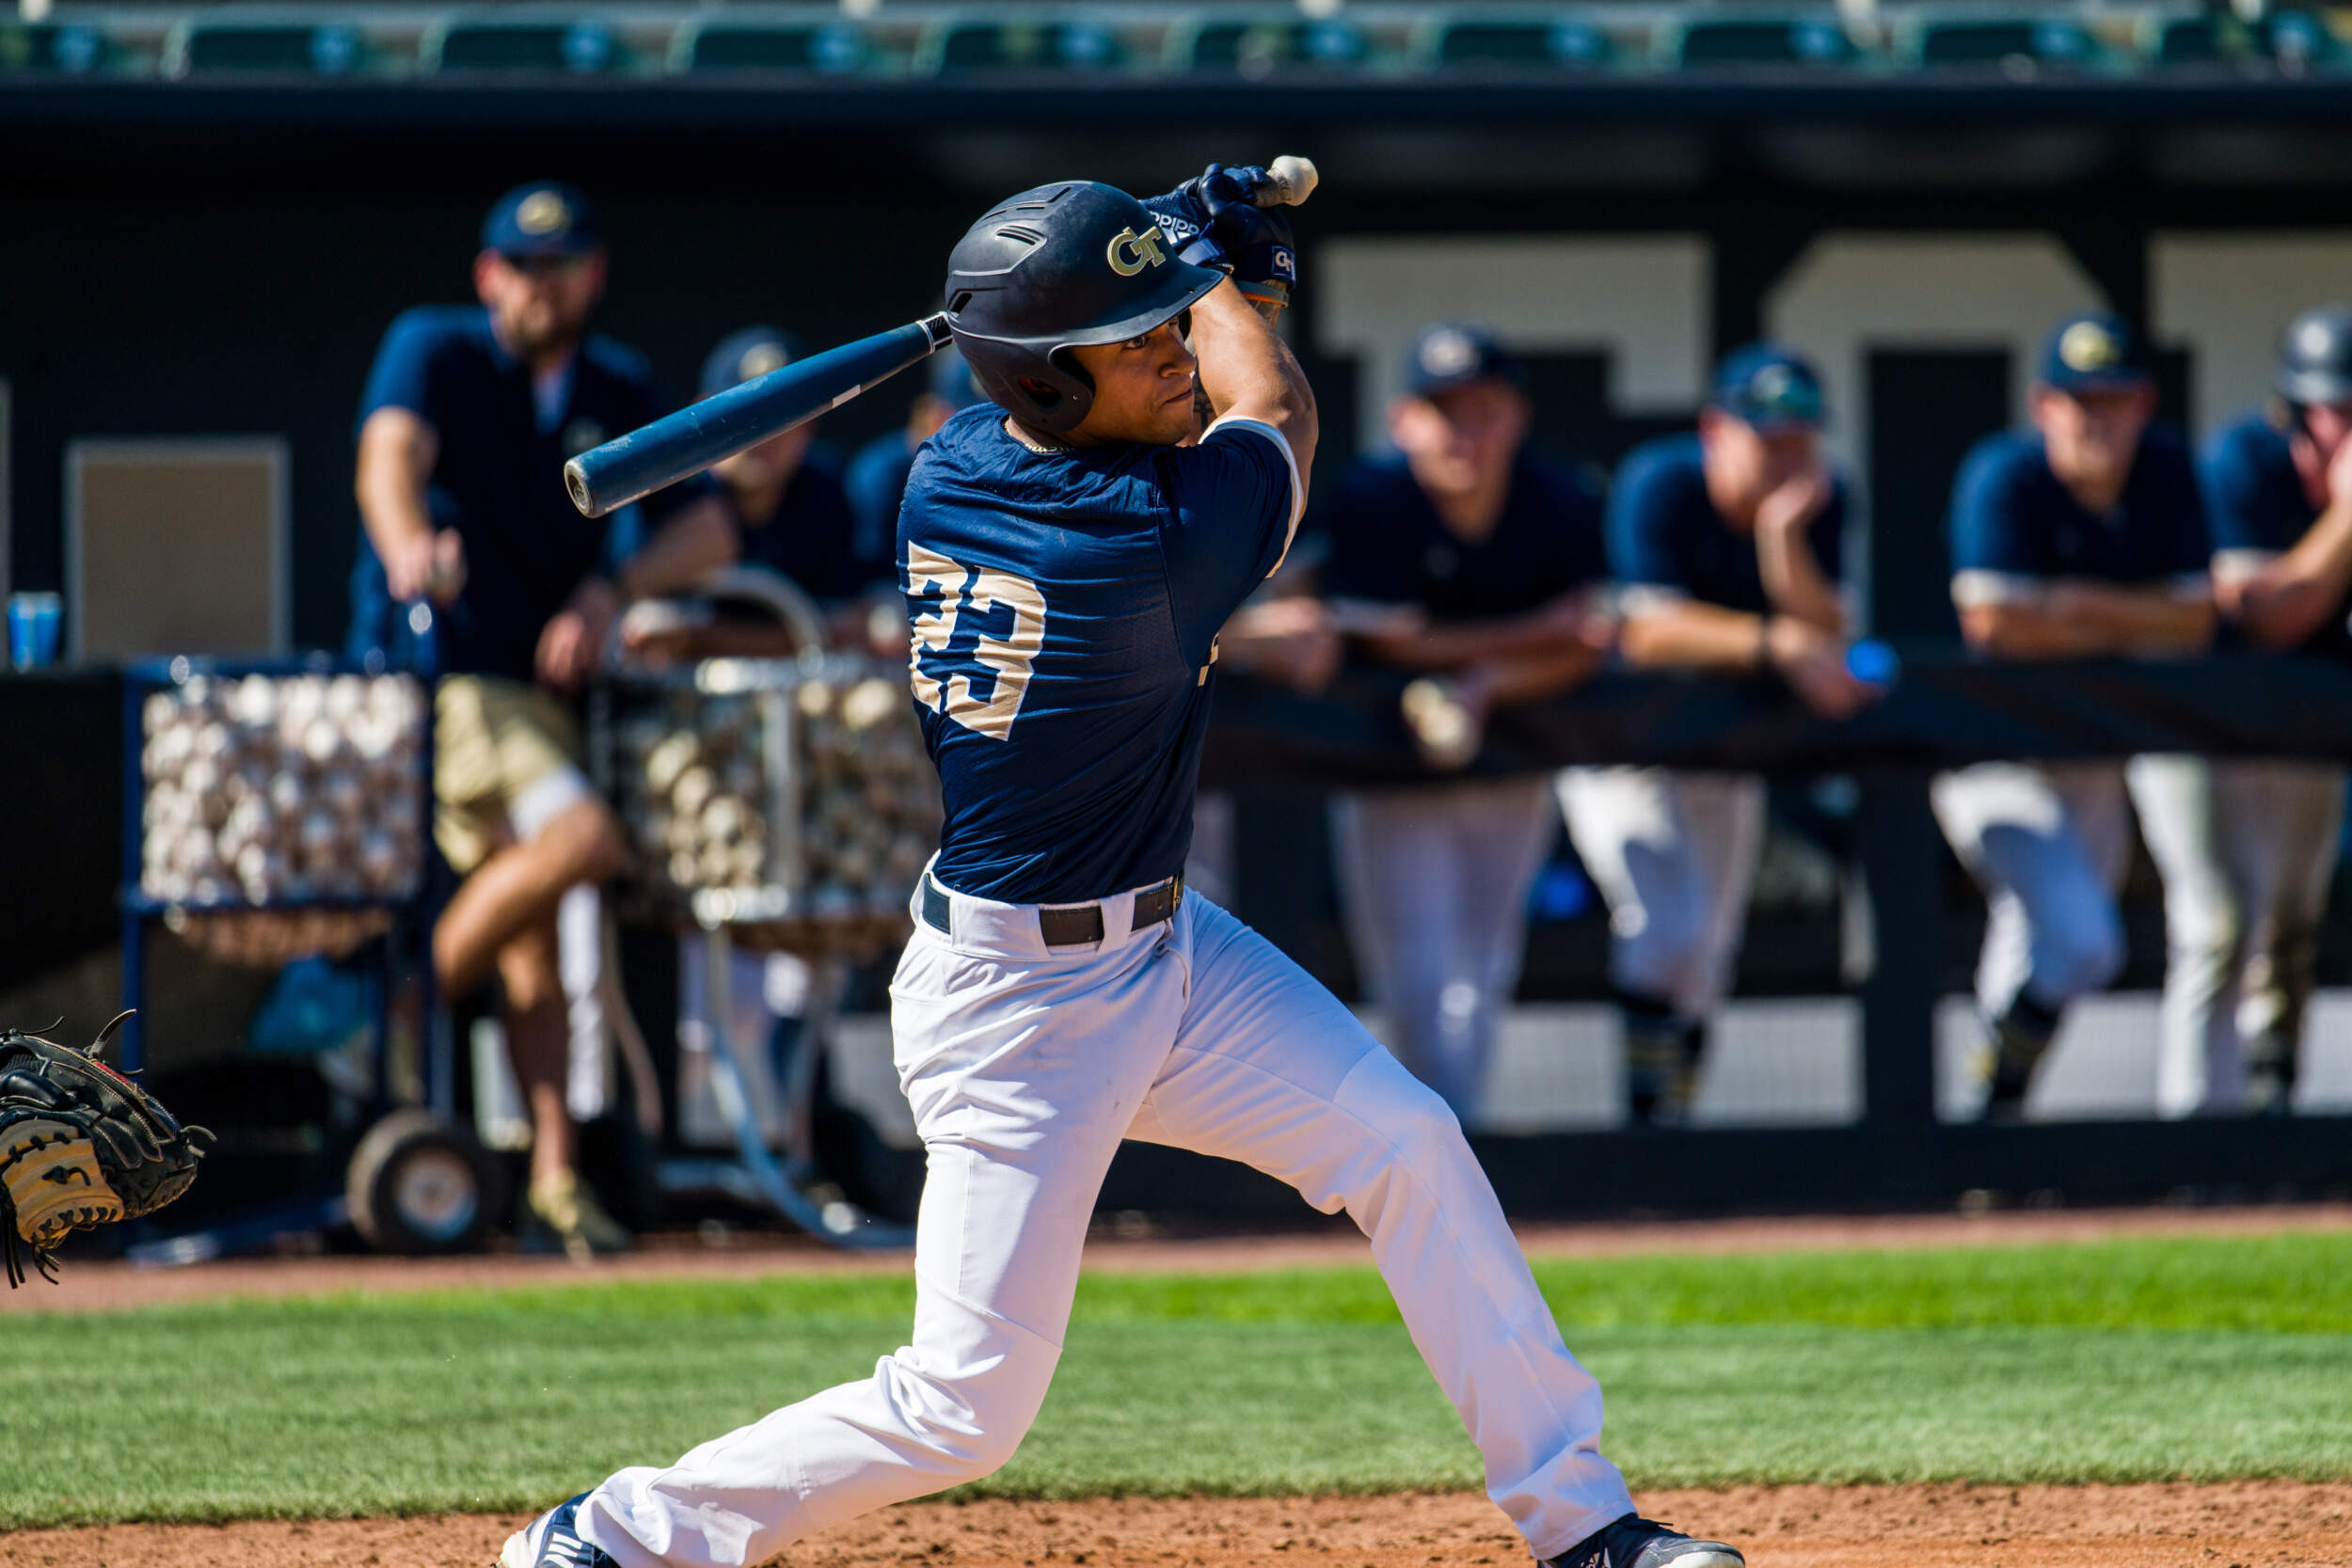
(1044, 392)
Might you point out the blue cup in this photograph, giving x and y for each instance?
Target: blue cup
(35, 623)
(1875, 661)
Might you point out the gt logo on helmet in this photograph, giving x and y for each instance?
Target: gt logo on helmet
(1131, 252)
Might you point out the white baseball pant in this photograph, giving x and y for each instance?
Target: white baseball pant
(1434, 882)
(1674, 855)
(2049, 846)
(2247, 851)
(1025, 1068)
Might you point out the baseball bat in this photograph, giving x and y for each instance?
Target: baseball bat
(604, 478)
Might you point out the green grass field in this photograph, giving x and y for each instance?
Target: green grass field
(2205, 1358)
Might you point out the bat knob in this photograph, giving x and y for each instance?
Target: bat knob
(1289, 180)
(576, 481)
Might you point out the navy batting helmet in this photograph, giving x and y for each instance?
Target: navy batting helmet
(1050, 269)
(2315, 356)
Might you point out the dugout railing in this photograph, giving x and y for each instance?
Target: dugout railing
(1946, 710)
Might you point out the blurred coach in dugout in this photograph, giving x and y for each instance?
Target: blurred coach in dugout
(468, 416)
(1726, 547)
(2079, 537)
(2278, 485)
(1466, 559)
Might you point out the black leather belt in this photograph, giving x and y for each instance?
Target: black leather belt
(1074, 925)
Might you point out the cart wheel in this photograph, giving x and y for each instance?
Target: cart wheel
(418, 1186)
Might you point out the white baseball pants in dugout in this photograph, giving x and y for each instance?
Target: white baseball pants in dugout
(1025, 1067)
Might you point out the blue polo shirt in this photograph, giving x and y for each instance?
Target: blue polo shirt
(2014, 525)
(1065, 606)
(1390, 547)
(1666, 539)
(812, 536)
(498, 479)
(2257, 508)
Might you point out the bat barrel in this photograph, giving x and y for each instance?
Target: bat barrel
(629, 467)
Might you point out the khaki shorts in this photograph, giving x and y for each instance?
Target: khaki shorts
(495, 740)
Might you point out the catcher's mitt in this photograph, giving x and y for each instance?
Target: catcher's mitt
(81, 1146)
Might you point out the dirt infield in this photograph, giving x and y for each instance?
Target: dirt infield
(2252, 1524)
(91, 1286)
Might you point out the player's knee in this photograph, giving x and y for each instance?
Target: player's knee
(585, 841)
(971, 1420)
(1411, 1119)
(2081, 956)
(992, 1450)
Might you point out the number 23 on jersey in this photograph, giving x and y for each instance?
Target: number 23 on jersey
(1007, 656)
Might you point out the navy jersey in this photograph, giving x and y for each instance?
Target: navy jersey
(1065, 609)
(811, 537)
(498, 479)
(1667, 540)
(875, 481)
(2257, 508)
(2014, 526)
(1389, 546)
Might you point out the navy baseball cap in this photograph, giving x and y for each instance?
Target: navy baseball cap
(746, 356)
(543, 218)
(1769, 386)
(2094, 351)
(1456, 354)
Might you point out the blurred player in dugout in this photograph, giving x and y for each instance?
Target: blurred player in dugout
(1473, 563)
(468, 416)
(1726, 547)
(2080, 536)
(2278, 489)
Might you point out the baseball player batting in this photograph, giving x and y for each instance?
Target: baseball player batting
(1069, 550)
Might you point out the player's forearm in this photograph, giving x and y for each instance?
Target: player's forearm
(1453, 647)
(694, 541)
(2028, 631)
(2290, 598)
(2087, 623)
(2144, 620)
(1796, 584)
(395, 461)
(1249, 373)
(1531, 677)
(2282, 614)
(1687, 635)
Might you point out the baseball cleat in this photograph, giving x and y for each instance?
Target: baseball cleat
(572, 1216)
(1662, 1073)
(1634, 1542)
(2005, 1064)
(2270, 1074)
(550, 1542)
